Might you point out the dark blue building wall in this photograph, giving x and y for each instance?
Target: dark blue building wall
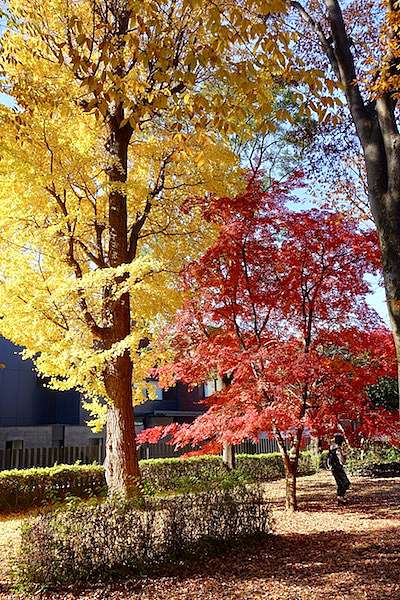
(24, 401)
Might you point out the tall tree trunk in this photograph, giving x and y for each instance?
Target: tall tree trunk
(378, 133)
(122, 467)
(228, 456)
(386, 212)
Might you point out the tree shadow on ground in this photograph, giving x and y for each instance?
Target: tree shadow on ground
(323, 564)
(320, 566)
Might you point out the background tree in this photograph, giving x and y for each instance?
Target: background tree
(122, 110)
(360, 44)
(385, 393)
(277, 304)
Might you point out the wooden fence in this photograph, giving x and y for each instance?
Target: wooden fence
(263, 446)
(26, 458)
(47, 457)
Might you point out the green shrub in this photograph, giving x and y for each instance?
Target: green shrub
(261, 467)
(21, 490)
(309, 463)
(36, 487)
(100, 540)
(373, 454)
(268, 467)
(166, 474)
(385, 469)
(176, 474)
(323, 456)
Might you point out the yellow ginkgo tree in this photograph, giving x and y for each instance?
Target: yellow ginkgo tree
(122, 110)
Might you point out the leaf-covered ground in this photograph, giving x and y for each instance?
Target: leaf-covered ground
(324, 552)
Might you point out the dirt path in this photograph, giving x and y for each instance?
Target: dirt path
(9, 539)
(324, 552)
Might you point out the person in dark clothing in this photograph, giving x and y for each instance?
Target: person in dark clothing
(335, 462)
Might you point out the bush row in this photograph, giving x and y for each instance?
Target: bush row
(375, 454)
(23, 489)
(174, 474)
(122, 537)
(20, 490)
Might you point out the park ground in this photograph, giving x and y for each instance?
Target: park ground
(323, 552)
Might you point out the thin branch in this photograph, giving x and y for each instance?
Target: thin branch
(95, 329)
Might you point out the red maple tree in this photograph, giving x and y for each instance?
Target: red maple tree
(277, 308)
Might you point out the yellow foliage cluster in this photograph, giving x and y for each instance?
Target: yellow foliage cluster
(183, 75)
(385, 67)
(39, 290)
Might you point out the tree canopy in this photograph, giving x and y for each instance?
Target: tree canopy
(123, 110)
(277, 308)
(357, 42)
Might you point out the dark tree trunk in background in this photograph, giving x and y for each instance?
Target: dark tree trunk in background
(378, 133)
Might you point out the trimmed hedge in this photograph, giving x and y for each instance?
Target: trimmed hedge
(269, 467)
(170, 474)
(20, 490)
(102, 540)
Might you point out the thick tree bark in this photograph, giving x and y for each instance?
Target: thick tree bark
(228, 456)
(377, 130)
(122, 467)
(388, 226)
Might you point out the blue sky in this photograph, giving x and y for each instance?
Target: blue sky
(377, 300)
(6, 100)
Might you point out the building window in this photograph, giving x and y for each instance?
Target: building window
(212, 386)
(14, 444)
